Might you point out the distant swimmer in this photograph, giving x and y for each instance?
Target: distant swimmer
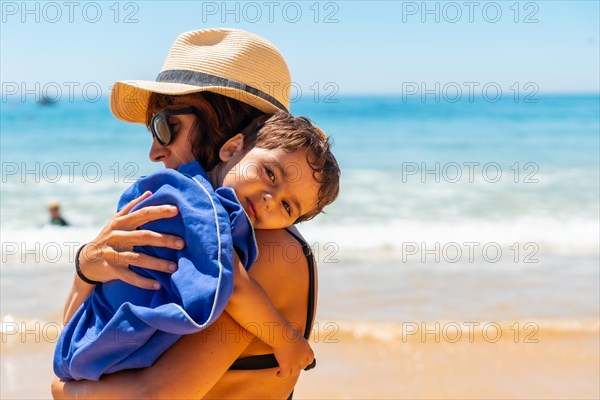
(55, 217)
(46, 100)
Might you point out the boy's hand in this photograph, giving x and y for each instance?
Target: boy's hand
(293, 355)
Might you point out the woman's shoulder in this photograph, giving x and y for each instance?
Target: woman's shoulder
(288, 237)
(281, 252)
(282, 270)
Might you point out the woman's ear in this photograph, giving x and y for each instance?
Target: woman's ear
(232, 147)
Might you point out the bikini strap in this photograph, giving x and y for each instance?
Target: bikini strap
(310, 312)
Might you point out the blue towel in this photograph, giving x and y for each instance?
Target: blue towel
(121, 326)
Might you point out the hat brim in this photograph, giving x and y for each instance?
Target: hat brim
(129, 99)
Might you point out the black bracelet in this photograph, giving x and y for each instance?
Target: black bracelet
(78, 268)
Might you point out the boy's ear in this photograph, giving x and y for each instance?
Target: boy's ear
(231, 147)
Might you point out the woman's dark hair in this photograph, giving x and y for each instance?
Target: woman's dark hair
(219, 118)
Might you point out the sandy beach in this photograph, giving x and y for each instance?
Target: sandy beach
(561, 365)
(403, 349)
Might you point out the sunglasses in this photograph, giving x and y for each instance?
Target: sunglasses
(162, 129)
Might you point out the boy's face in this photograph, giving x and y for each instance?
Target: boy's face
(273, 186)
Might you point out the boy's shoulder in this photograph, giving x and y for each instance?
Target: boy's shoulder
(186, 173)
(186, 181)
(190, 169)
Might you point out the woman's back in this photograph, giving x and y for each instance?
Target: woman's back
(282, 270)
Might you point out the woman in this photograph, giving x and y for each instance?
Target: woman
(249, 70)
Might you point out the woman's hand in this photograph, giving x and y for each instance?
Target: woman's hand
(108, 256)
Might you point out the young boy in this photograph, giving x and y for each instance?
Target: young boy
(277, 172)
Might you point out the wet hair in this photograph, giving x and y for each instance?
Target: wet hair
(219, 118)
(284, 131)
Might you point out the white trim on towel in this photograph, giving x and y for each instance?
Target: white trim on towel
(212, 310)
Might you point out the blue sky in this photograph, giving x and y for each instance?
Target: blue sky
(360, 47)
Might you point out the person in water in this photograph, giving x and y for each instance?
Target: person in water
(55, 217)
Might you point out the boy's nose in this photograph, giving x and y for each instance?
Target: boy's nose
(269, 200)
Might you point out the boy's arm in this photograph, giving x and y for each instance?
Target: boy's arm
(249, 305)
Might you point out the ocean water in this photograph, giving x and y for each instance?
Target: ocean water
(448, 211)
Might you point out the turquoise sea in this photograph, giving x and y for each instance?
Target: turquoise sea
(448, 211)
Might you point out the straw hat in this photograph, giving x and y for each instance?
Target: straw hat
(230, 62)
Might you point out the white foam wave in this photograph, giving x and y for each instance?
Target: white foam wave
(525, 330)
(48, 245)
(397, 237)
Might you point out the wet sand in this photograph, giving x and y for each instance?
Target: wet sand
(558, 366)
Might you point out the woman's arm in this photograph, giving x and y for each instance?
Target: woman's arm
(108, 256)
(197, 363)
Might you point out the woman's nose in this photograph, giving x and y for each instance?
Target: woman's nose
(156, 151)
